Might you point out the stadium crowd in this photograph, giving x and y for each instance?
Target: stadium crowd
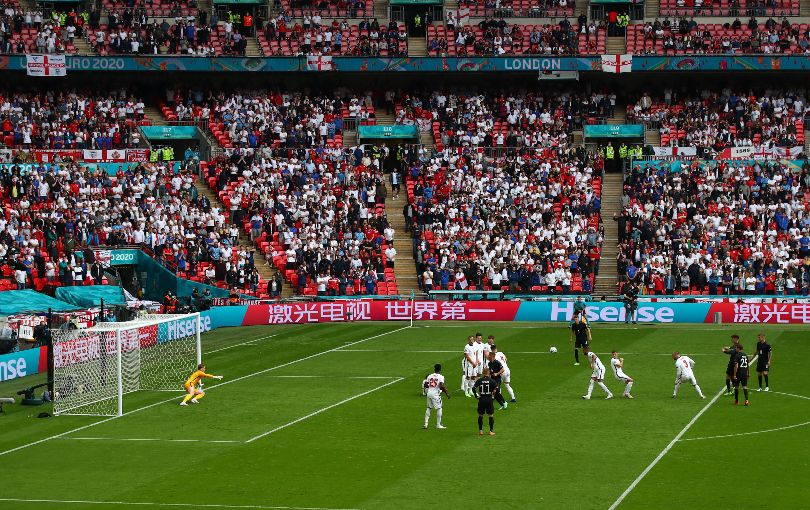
(717, 227)
(70, 119)
(716, 120)
(523, 222)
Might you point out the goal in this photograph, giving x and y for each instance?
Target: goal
(95, 367)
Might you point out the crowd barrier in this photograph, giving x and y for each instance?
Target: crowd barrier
(607, 311)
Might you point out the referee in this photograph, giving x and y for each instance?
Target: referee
(496, 370)
(582, 332)
(484, 389)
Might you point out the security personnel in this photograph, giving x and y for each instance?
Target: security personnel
(609, 152)
(153, 156)
(623, 151)
(167, 154)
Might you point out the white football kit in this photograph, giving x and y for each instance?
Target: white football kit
(502, 359)
(433, 392)
(479, 357)
(617, 370)
(683, 367)
(469, 368)
(598, 367)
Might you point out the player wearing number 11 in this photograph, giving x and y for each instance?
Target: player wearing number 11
(195, 393)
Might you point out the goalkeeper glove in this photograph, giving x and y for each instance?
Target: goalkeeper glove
(218, 377)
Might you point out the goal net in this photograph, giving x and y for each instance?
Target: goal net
(95, 367)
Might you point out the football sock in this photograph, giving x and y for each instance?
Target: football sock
(199, 396)
(759, 377)
(628, 387)
(677, 385)
(576, 355)
(736, 394)
(427, 416)
(745, 391)
(728, 386)
(510, 390)
(605, 388)
(438, 416)
(590, 388)
(499, 398)
(463, 383)
(491, 423)
(480, 423)
(766, 381)
(697, 388)
(188, 397)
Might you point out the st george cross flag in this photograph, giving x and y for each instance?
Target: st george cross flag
(45, 65)
(617, 63)
(319, 63)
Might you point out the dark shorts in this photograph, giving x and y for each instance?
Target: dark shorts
(395, 186)
(486, 407)
(742, 379)
(581, 343)
(730, 371)
(762, 366)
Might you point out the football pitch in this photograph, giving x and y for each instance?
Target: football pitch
(329, 416)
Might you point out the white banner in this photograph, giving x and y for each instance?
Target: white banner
(319, 63)
(675, 151)
(45, 65)
(106, 155)
(617, 63)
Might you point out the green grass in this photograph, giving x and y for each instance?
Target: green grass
(553, 450)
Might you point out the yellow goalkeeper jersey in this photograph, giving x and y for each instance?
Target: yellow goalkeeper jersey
(195, 378)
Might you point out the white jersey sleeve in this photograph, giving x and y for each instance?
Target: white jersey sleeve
(502, 358)
(614, 363)
(469, 350)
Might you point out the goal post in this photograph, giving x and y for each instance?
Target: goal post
(95, 368)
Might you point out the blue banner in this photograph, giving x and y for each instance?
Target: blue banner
(169, 132)
(158, 63)
(20, 364)
(397, 131)
(613, 311)
(614, 131)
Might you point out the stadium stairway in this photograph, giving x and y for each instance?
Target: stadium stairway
(616, 45)
(804, 9)
(653, 137)
(807, 142)
(153, 114)
(612, 189)
(381, 11)
(417, 47)
(427, 140)
(252, 49)
(404, 266)
(619, 115)
(384, 118)
(652, 8)
(265, 269)
(349, 138)
(82, 46)
(581, 8)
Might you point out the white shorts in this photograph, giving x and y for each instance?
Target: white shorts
(690, 378)
(598, 374)
(469, 369)
(620, 375)
(434, 402)
(505, 377)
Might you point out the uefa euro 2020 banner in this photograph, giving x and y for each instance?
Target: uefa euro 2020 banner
(611, 311)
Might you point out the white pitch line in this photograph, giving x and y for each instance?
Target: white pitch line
(143, 503)
(333, 376)
(790, 395)
(319, 411)
(83, 427)
(748, 433)
(666, 450)
(249, 342)
(150, 439)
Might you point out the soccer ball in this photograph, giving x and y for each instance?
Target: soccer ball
(553, 350)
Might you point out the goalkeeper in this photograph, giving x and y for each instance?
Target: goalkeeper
(195, 393)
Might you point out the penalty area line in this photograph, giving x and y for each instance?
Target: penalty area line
(175, 505)
(149, 439)
(666, 450)
(173, 399)
(322, 410)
